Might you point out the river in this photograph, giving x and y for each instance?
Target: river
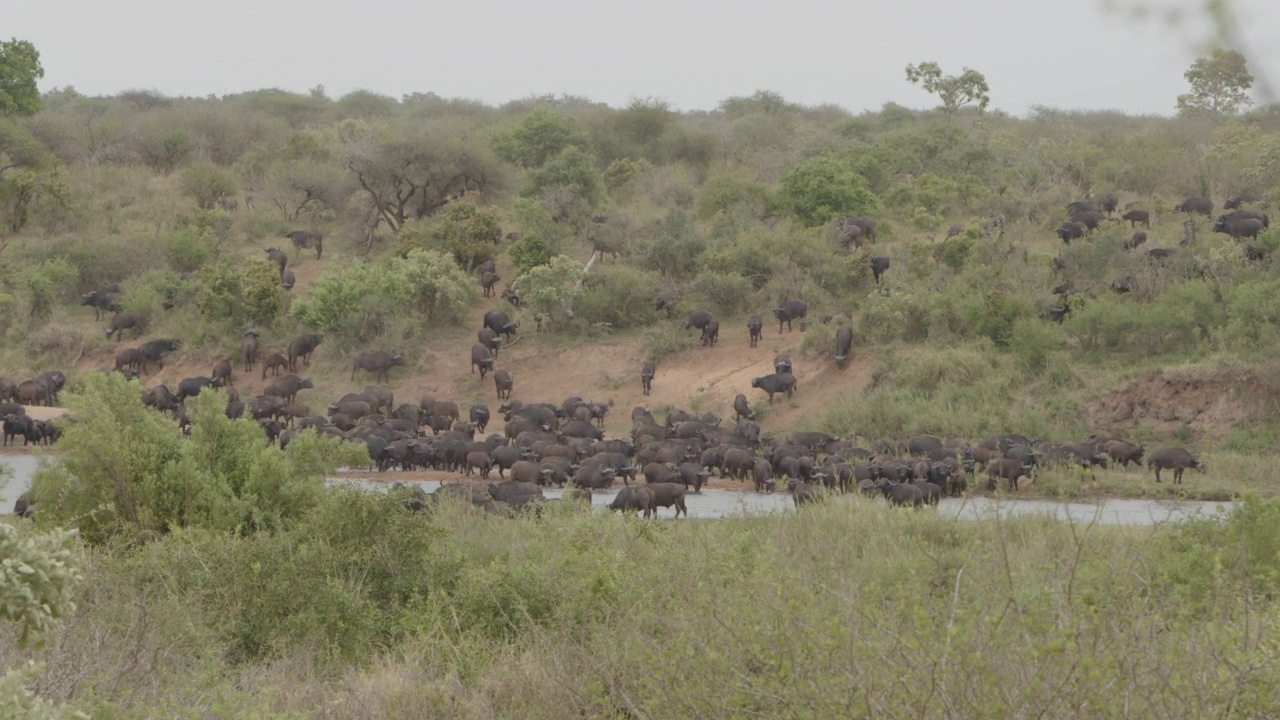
(725, 503)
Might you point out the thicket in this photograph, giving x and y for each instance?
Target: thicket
(367, 610)
(733, 210)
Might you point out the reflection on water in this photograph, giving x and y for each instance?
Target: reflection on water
(726, 503)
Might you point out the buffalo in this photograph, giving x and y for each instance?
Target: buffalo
(277, 256)
(1196, 206)
(499, 323)
(652, 496)
(273, 362)
(844, 342)
(288, 280)
(782, 363)
(487, 280)
(287, 387)
(1239, 228)
(710, 333)
(1176, 459)
(1137, 216)
(776, 383)
(503, 383)
(1137, 239)
(106, 298)
(302, 239)
(698, 320)
(125, 321)
(741, 409)
(490, 339)
(1069, 231)
(302, 347)
(249, 350)
(377, 362)
(646, 376)
(788, 311)
(879, 266)
(154, 351)
(480, 358)
(754, 327)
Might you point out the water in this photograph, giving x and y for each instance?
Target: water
(23, 467)
(727, 503)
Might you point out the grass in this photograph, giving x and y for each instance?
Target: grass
(569, 615)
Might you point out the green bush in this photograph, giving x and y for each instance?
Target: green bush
(362, 300)
(726, 294)
(44, 285)
(189, 250)
(127, 474)
(618, 295)
(573, 169)
(727, 193)
(1032, 342)
(464, 229)
(155, 292)
(529, 252)
(826, 187)
(205, 183)
(665, 339)
(240, 294)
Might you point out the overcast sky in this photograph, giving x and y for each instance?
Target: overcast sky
(692, 53)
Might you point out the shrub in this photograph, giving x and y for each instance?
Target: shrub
(189, 249)
(126, 472)
(726, 193)
(362, 299)
(665, 339)
(618, 295)
(530, 252)
(205, 183)
(156, 291)
(549, 290)
(727, 294)
(826, 187)
(537, 138)
(44, 285)
(240, 294)
(1032, 341)
(573, 169)
(465, 229)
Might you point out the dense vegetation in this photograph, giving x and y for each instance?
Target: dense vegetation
(220, 578)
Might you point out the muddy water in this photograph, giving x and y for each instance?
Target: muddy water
(727, 503)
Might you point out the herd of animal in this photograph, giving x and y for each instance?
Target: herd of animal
(544, 444)
(1085, 216)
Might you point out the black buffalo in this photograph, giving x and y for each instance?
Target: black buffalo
(302, 347)
(376, 361)
(879, 265)
(305, 238)
(776, 383)
(788, 311)
(844, 342)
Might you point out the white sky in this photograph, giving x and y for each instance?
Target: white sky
(692, 53)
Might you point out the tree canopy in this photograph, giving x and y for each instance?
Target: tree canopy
(1219, 84)
(19, 70)
(955, 91)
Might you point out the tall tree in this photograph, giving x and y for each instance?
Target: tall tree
(1219, 84)
(19, 70)
(955, 91)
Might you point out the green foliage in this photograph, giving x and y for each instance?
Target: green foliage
(617, 295)
(1253, 313)
(205, 183)
(537, 138)
(19, 70)
(362, 299)
(44, 285)
(955, 250)
(189, 249)
(727, 294)
(573, 170)
(465, 229)
(550, 289)
(26, 193)
(1033, 342)
(954, 91)
(18, 703)
(826, 187)
(1219, 84)
(729, 193)
(128, 474)
(665, 339)
(529, 252)
(240, 294)
(671, 245)
(36, 578)
(150, 292)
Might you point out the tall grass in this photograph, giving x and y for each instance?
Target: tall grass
(588, 615)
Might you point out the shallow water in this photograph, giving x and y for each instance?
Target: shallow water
(727, 503)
